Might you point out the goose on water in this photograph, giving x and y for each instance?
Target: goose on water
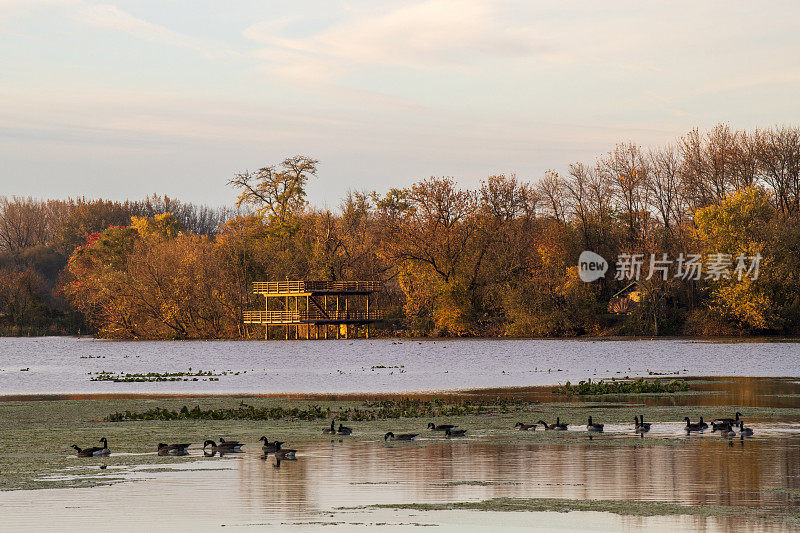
(558, 426)
(400, 436)
(284, 453)
(231, 443)
(172, 449)
(729, 421)
(720, 426)
(525, 427)
(94, 451)
(693, 426)
(598, 428)
(455, 432)
(743, 431)
(440, 427)
(344, 430)
(269, 447)
(641, 425)
(223, 447)
(332, 429)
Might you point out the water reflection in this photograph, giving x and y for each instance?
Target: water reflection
(253, 488)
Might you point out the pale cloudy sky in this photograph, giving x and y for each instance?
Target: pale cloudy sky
(122, 99)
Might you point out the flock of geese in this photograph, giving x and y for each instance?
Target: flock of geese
(727, 427)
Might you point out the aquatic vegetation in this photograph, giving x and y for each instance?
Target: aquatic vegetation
(370, 410)
(639, 386)
(620, 507)
(243, 412)
(119, 377)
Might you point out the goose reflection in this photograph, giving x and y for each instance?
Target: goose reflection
(278, 458)
(222, 452)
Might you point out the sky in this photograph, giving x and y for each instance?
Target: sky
(124, 99)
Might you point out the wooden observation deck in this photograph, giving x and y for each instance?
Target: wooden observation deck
(315, 306)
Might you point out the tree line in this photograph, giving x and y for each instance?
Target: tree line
(37, 238)
(500, 259)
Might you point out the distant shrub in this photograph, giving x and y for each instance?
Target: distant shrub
(639, 386)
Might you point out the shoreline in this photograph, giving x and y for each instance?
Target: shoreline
(595, 338)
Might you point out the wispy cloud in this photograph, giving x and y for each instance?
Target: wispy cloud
(113, 18)
(432, 34)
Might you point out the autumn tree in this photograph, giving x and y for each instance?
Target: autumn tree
(744, 227)
(276, 192)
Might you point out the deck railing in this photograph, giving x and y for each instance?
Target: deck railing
(283, 287)
(309, 317)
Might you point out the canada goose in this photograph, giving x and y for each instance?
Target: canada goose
(721, 426)
(594, 427)
(285, 454)
(525, 427)
(232, 443)
(641, 425)
(269, 447)
(440, 427)
(729, 421)
(558, 426)
(703, 424)
(331, 429)
(226, 447)
(455, 432)
(172, 449)
(344, 430)
(726, 431)
(743, 431)
(94, 451)
(400, 436)
(690, 426)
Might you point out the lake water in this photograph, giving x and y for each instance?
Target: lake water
(323, 488)
(247, 492)
(66, 365)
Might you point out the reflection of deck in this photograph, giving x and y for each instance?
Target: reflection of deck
(305, 317)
